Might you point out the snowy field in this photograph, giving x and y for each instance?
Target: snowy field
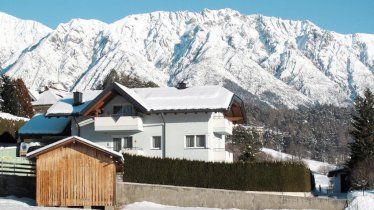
(358, 201)
(315, 166)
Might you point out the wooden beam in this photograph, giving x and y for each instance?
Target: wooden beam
(98, 104)
(235, 119)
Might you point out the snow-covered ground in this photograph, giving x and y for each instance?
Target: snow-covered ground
(14, 203)
(145, 205)
(8, 116)
(315, 166)
(358, 201)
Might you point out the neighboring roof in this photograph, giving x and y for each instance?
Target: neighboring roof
(34, 95)
(71, 139)
(337, 171)
(40, 124)
(50, 97)
(65, 107)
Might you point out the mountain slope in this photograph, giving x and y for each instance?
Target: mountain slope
(284, 63)
(16, 36)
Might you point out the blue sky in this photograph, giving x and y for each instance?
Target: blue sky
(343, 16)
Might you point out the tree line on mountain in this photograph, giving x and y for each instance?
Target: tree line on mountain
(124, 79)
(320, 132)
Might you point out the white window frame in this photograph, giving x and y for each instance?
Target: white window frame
(132, 142)
(122, 137)
(195, 141)
(152, 143)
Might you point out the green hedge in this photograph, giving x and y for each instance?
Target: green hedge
(258, 176)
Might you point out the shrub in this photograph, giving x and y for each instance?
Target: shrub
(254, 176)
(8, 130)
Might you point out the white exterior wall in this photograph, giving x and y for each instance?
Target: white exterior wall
(177, 127)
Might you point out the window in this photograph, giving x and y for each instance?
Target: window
(156, 142)
(197, 141)
(127, 143)
(190, 141)
(117, 144)
(122, 110)
(200, 141)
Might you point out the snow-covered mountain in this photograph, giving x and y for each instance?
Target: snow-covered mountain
(283, 62)
(16, 36)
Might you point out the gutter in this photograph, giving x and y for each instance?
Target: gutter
(163, 136)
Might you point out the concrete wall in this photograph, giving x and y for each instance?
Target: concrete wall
(177, 127)
(214, 198)
(20, 186)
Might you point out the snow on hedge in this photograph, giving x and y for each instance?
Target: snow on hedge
(8, 116)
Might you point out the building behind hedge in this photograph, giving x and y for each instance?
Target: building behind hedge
(189, 123)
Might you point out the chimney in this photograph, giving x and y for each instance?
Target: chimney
(181, 85)
(77, 98)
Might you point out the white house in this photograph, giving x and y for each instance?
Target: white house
(186, 123)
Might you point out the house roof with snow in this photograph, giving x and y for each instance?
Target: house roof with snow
(34, 95)
(158, 100)
(73, 139)
(49, 97)
(64, 107)
(41, 125)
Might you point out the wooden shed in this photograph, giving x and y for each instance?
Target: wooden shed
(75, 172)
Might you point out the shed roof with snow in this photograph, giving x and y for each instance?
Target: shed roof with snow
(49, 97)
(71, 139)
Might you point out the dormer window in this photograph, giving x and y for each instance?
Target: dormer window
(122, 110)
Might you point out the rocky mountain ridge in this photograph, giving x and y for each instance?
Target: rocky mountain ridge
(282, 62)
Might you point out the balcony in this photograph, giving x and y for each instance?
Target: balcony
(222, 126)
(118, 123)
(221, 155)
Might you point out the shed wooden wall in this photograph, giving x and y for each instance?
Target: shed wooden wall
(75, 175)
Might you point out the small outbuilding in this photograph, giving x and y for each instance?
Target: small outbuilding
(339, 180)
(75, 172)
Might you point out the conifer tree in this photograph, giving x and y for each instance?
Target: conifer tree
(363, 129)
(244, 143)
(8, 94)
(24, 99)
